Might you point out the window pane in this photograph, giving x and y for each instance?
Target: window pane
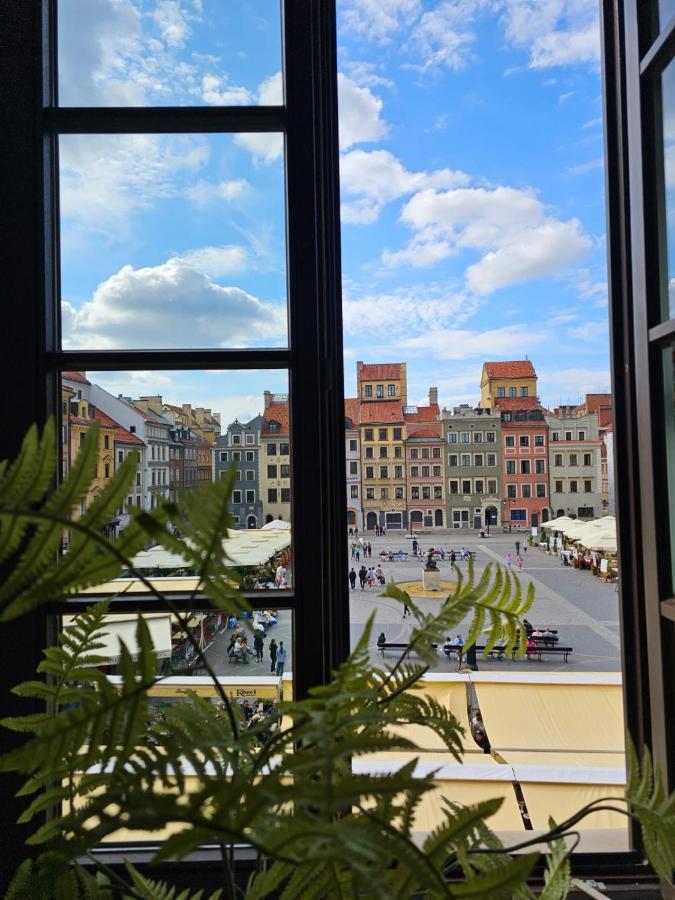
(668, 113)
(190, 428)
(666, 12)
(179, 53)
(172, 241)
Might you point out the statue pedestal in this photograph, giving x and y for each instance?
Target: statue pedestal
(431, 581)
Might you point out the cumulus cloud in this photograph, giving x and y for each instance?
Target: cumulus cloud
(204, 192)
(511, 341)
(170, 305)
(555, 32)
(441, 37)
(364, 74)
(172, 22)
(219, 91)
(413, 309)
(379, 177)
(265, 148)
(510, 228)
(359, 114)
(216, 261)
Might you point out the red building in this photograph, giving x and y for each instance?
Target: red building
(425, 494)
(525, 462)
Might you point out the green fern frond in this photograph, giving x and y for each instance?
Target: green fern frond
(654, 810)
(499, 881)
(159, 890)
(558, 871)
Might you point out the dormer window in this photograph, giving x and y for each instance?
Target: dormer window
(274, 427)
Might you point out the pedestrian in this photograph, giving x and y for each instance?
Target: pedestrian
(406, 610)
(517, 547)
(524, 550)
(363, 574)
(258, 644)
(352, 578)
(273, 655)
(453, 557)
(381, 640)
(281, 659)
(357, 553)
(519, 562)
(353, 549)
(370, 550)
(507, 560)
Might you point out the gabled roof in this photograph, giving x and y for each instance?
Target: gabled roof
(352, 410)
(374, 371)
(507, 404)
(382, 412)
(121, 434)
(424, 414)
(276, 412)
(76, 376)
(519, 368)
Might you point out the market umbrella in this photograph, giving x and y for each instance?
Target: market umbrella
(559, 523)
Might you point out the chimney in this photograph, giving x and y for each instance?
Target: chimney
(268, 398)
(433, 396)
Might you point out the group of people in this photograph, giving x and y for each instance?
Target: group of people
(508, 560)
(361, 548)
(256, 715)
(371, 576)
(453, 646)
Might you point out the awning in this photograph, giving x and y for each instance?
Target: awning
(122, 627)
(563, 800)
(572, 717)
(260, 686)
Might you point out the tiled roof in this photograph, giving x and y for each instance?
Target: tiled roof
(594, 402)
(373, 371)
(352, 410)
(277, 412)
(121, 434)
(423, 432)
(424, 414)
(381, 412)
(520, 368)
(76, 376)
(513, 403)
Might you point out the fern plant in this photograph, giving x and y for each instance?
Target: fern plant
(94, 762)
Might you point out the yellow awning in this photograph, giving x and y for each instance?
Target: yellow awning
(452, 696)
(563, 800)
(539, 716)
(429, 814)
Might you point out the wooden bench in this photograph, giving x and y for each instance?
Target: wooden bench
(400, 647)
(565, 651)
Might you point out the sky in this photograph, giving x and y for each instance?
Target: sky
(472, 192)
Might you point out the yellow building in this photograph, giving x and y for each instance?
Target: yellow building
(383, 392)
(275, 459)
(81, 418)
(500, 380)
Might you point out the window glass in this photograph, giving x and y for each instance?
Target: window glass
(179, 53)
(668, 117)
(669, 449)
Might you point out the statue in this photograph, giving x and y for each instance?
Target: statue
(430, 565)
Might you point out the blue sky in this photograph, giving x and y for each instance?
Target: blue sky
(473, 202)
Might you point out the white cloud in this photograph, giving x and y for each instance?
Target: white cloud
(172, 22)
(414, 309)
(170, 305)
(509, 227)
(106, 178)
(218, 91)
(265, 148)
(555, 32)
(216, 261)
(510, 341)
(271, 91)
(379, 177)
(376, 20)
(359, 114)
(204, 192)
(441, 36)
(570, 385)
(592, 332)
(364, 74)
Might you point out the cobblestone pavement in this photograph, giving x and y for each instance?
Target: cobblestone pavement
(583, 608)
(282, 631)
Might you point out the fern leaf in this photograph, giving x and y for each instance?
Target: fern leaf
(558, 871)
(499, 881)
(654, 810)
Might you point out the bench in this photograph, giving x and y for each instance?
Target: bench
(565, 651)
(390, 645)
(238, 658)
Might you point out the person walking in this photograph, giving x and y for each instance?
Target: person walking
(507, 560)
(273, 655)
(352, 578)
(258, 644)
(357, 552)
(406, 610)
(363, 574)
(519, 562)
(281, 659)
(453, 557)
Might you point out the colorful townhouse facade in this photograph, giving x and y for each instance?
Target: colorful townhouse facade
(575, 463)
(353, 464)
(275, 458)
(425, 490)
(240, 448)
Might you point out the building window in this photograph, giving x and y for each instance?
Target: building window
(478, 460)
(555, 435)
(466, 486)
(250, 439)
(518, 515)
(479, 486)
(501, 392)
(353, 445)
(526, 491)
(466, 459)
(573, 459)
(250, 496)
(588, 486)
(426, 492)
(452, 459)
(236, 438)
(236, 455)
(511, 491)
(237, 475)
(106, 470)
(436, 471)
(398, 452)
(106, 442)
(436, 452)
(284, 449)
(438, 492)
(425, 453)
(558, 487)
(492, 459)
(384, 493)
(582, 435)
(379, 391)
(524, 467)
(568, 435)
(573, 487)
(414, 453)
(250, 455)
(250, 475)
(354, 491)
(465, 437)
(370, 472)
(510, 440)
(236, 496)
(368, 390)
(524, 391)
(370, 493)
(398, 493)
(414, 493)
(383, 452)
(452, 437)
(398, 471)
(391, 390)
(491, 437)
(271, 495)
(120, 456)
(425, 471)
(588, 459)
(368, 434)
(454, 486)
(285, 495)
(271, 449)
(370, 452)
(353, 468)
(492, 485)
(478, 437)
(382, 434)
(384, 471)
(524, 440)
(540, 466)
(510, 467)
(539, 440)
(558, 459)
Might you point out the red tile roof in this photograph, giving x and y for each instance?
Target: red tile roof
(373, 371)
(514, 403)
(277, 412)
(594, 402)
(76, 376)
(121, 434)
(352, 410)
(520, 368)
(424, 414)
(424, 432)
(381, 412)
